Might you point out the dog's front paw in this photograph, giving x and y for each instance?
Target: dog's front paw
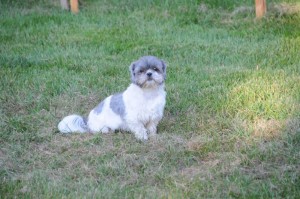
(141, 136)
(106, 130)
(152, 131)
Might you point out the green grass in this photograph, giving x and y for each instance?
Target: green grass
(232, 119)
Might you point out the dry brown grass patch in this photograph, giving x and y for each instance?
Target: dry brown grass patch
(198, 143)
(267, 129)
(286, 8)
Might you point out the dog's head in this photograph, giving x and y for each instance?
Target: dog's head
(148, 72)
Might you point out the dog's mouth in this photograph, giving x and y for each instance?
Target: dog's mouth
(152, 80)
(149, 82)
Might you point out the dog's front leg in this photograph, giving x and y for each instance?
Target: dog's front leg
(152, 128)
(139, 131)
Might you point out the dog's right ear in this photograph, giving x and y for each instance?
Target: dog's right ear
(132, 72)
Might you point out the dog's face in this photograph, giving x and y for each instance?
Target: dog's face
(148, 72)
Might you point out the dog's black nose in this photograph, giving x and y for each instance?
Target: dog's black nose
(149, 74)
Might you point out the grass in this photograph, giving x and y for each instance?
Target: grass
(232, 120)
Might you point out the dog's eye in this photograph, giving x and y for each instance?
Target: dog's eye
(156, 69)
(141, 71)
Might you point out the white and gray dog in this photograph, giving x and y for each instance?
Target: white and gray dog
(138, 109)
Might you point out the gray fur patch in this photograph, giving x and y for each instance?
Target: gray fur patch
(117, 104)
(99, 108)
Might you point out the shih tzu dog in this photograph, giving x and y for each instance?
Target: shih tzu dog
(138, 109)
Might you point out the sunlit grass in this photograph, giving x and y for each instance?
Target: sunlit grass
(265, 95)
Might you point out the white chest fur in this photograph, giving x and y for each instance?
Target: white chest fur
(144, 105)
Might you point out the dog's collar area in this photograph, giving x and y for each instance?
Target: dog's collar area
(154, 87)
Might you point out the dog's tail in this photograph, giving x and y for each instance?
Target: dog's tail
(73, 123)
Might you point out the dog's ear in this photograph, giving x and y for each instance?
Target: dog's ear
(164, 68)
(132, 72)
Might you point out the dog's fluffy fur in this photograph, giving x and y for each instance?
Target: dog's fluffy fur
(138, 109)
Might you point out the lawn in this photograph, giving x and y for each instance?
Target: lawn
(231, 127)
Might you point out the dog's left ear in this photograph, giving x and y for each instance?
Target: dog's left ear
(132, 72)
(164, 68)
